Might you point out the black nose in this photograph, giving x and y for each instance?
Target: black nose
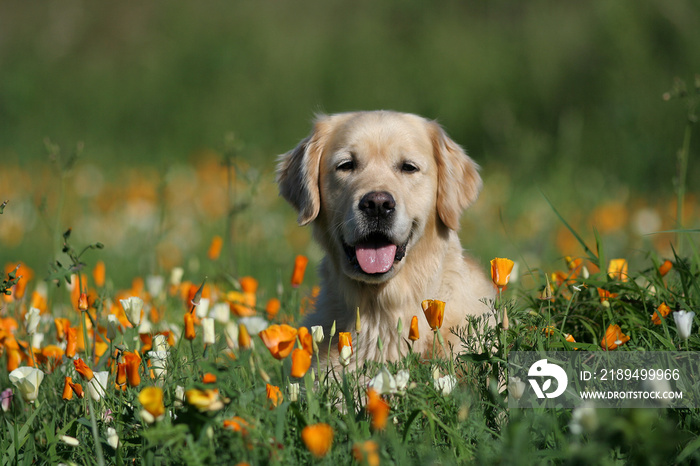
(378, 204)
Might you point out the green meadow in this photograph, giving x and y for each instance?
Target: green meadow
(138, 145)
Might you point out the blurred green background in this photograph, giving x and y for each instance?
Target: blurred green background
(561, 98)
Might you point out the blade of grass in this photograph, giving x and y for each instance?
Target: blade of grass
(591, 255)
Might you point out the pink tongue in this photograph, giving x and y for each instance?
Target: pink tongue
(374, 258)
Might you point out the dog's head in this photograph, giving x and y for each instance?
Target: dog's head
(372, 182)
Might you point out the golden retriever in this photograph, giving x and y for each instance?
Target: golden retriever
(384, 192)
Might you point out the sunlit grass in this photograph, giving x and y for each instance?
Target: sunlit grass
(199, 397)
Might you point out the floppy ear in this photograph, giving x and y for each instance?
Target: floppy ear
(459, 182)
(298, 173)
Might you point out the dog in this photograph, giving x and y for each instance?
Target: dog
(384, 192)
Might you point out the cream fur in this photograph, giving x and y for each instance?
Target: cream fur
(429, 203)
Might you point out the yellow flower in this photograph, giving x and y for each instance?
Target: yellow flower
(434, 312)
(617, 270)
(613, 338)
(318, 439)
(151, 398)
(243, 337)
(500, 271)
(204, 400)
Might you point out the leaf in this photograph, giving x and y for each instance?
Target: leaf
(410, 420)
(22, 437)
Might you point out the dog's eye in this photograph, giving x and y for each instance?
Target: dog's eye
(408, 167)
(345, 166)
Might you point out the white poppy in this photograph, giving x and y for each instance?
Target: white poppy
(209, 335)
(684, 323)
(27, 381)
(98, 384)
(32, 319)
(132, 308)
(445, 384)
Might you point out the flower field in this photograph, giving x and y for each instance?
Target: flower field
(203, 366)
(154, 284)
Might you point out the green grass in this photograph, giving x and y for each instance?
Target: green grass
(471, 424)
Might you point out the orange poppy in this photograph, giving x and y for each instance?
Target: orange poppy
(665, 267)
(77, 389)
(366, 453)
(121, 374)
(434, 312)
(306, 340)
(38, 301)
(62, 325)
(83, 304)
(300, 263)
(53, 355)
(377, 408)
(67, 391)
(272, 308)
(208, 378)
(301, 361)
(98, 274)
(613, 338)
(132, 359)
(413, 333)
(279, 339)
(190, 334)
(605, 295)
(318, 439)
(663, 310)
(344, 339)
(217, 243)
(273, 394)
(14, 359)
(500, 271)
(237, 424)
(241, 304)
(83, 369)
(248, 284)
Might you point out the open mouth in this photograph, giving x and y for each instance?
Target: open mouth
(375, 253)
